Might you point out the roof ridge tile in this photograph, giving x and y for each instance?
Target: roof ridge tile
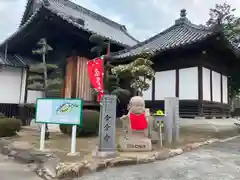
(117, 35)
(91, 13)
(97, 17)
(167, 38)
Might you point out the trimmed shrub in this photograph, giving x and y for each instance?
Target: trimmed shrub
(66, 129)
(9, 126)
(63, 128)
(90, 124)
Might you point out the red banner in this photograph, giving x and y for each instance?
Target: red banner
(95, 74)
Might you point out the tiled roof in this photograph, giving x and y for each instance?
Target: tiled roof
(21, 28)
(14, 60)
(93, 23)
(181, 33)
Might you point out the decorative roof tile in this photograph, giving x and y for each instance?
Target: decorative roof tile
(181, 33)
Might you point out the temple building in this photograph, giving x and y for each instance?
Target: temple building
(193, 63)
(67, 28)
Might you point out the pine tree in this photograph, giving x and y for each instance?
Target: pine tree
(223, 14)
(140, 71)
(39, 79)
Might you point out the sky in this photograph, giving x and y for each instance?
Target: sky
(143, 18)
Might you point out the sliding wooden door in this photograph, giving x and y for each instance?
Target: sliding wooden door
(77, 84)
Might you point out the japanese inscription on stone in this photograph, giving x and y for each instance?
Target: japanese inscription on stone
(107, 124)
(176, 119)
(171, 123)
(168, 122)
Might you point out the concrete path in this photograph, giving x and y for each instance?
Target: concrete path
(220, 161)
(10, 170)
(215, 125)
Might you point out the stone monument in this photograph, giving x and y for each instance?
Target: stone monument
(107, 128)
(137, 127)
(171, 123)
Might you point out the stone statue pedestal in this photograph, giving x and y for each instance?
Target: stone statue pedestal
(137, 142)
(105, 154)
(137, 127)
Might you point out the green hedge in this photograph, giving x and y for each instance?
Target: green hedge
(2, 115)
(90, 124)
(9, 126)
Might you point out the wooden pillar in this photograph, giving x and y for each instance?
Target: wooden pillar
(228, 91)
(153, 89)
(177, 83)
(22, 109)
(211, 91)
(211, 86)
(26, 86)
(221, 87)
(228, 97)
(62, 90)
(70, 78)
(200, 90)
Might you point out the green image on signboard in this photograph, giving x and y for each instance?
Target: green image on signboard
(59, 111)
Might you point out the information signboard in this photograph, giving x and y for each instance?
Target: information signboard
(59, 111)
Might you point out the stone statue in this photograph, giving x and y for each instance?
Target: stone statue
(137, 126)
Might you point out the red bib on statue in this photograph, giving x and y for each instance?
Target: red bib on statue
(138, 122)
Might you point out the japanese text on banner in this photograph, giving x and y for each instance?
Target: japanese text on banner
(95, 74)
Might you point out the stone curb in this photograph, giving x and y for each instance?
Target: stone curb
(73, 170)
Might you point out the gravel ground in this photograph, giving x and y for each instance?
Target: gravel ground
(219, 161)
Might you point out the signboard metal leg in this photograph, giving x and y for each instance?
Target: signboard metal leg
(73, 142)
(42, 136)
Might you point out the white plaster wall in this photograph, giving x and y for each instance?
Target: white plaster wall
(188, 83)
(33, 95)
(206, 84)
(147, 95)
(216, 86)
(225, 89)
(10, 90)
(165, 84)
